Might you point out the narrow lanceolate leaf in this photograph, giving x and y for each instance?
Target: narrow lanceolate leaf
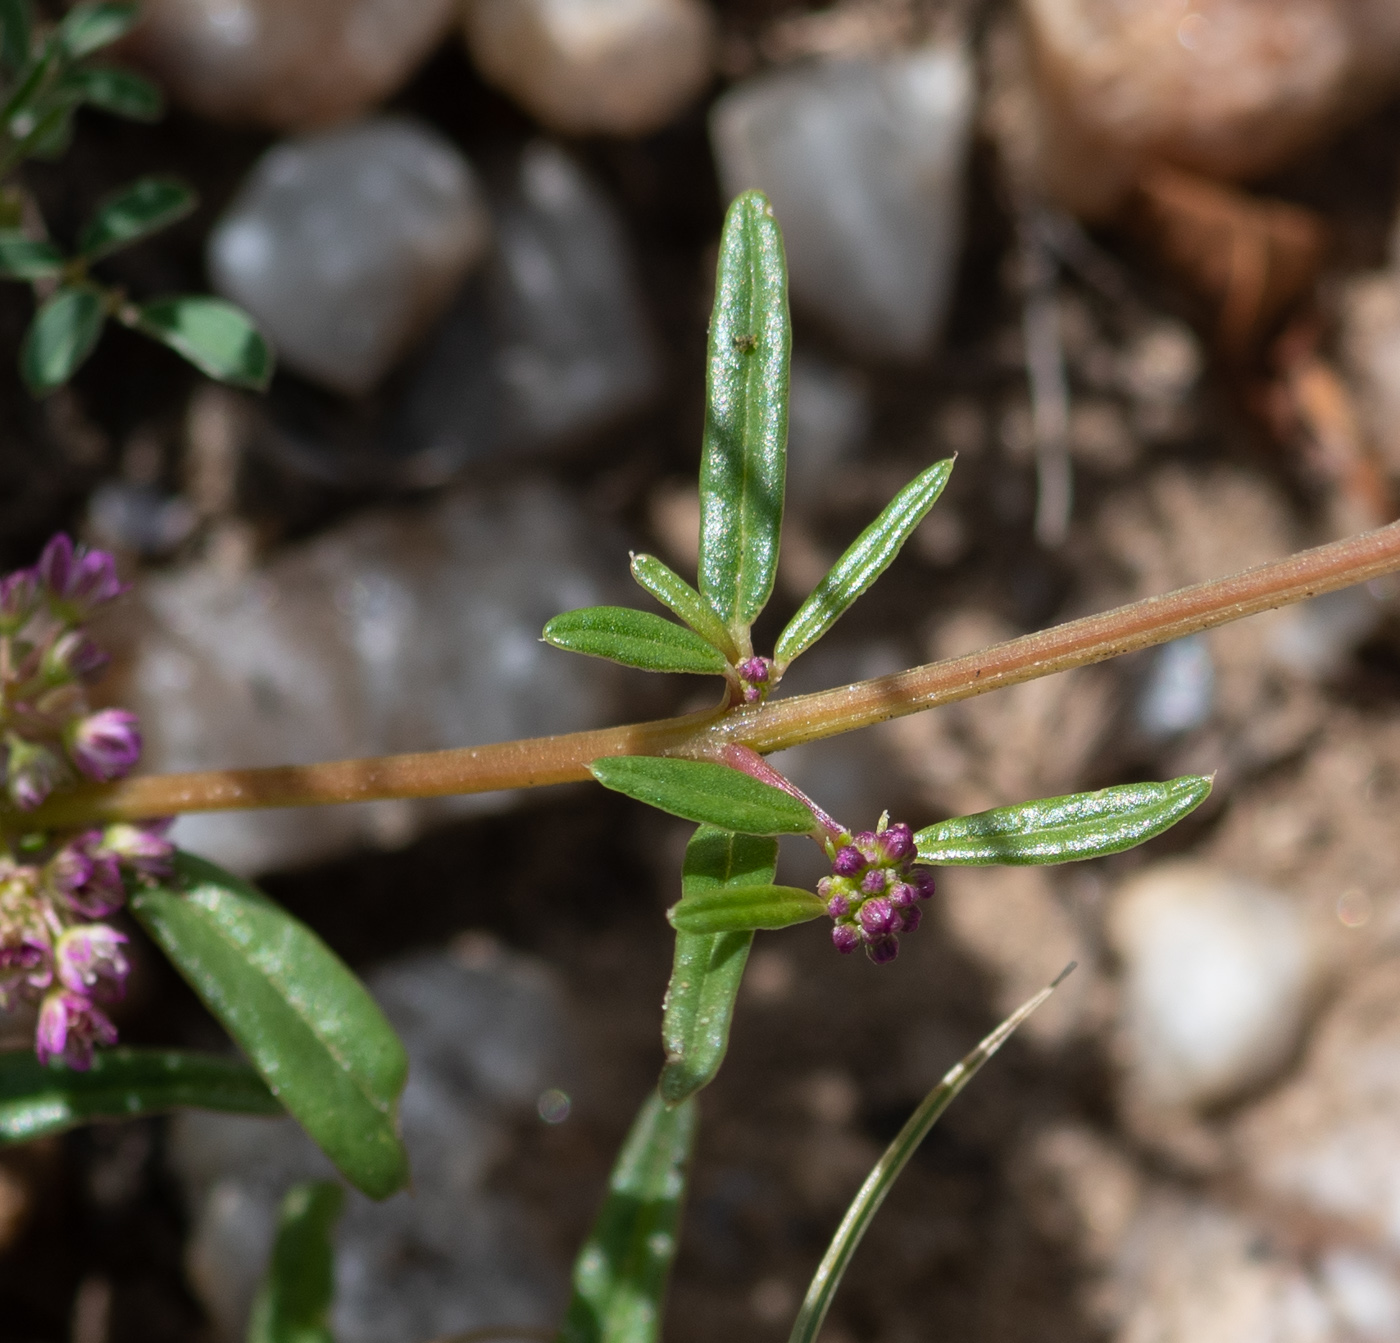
(122, 92)
(61, 337)
(621, 1273)
(868, 557)
(744, 456)
(121, 1084)
(708, 967)
(711, 794)
(87, 28)
(636, 639)
(15, 30)
(293, 1304)
(887, 1170)
(739, 911)
(24, 258)
(143, 207)
(218, 338)
(672, 591)
(1063, 829)
(312, 1031)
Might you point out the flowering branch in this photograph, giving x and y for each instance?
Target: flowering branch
(538, 761)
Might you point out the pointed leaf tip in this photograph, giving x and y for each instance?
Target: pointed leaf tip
(1063, 829)
(868, 557)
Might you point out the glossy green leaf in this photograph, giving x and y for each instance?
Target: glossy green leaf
(887, 1170)
(121, 1084)
(16, 33)
(672, 591)
(293, 1304)
(868, 557)
(308, 1025)
(1063, 829)
(621, 1272)
(738, 911)
(61, 337)
(147, 205)
(636, 639)
(23, 258)
(87, 28)
(121, 92)
(744, 456)
(708, 967)
(218, 338)
(702, 791)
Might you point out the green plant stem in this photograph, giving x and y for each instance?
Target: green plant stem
(534, 762)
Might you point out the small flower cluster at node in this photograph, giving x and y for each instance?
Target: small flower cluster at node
(874, 890)
(53, 948)
(49, 736)
(755, 679)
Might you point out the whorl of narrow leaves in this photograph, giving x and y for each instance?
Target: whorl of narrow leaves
(294, 1302)
(744, 456)
(636, 639)
(307, 1024)
(1063, 829)
(708, 967)
(621, 1273)
(122, 1084)
(701, 791)
(868, 557)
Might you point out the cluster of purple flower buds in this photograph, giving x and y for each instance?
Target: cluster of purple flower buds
(874, 891)
(49, 736)
(755, 679)
(53, 949)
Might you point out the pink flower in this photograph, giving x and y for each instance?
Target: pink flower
(73, 657)
(105, 744)
(90, 960)
(69, 1026)
(77, 579)
(19, 599)
(86, 877)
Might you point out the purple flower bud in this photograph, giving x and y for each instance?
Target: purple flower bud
(106, 744)
(876, 917)
(896, 843)
(19, 598)
(882, 950)
(32, 772)
(69, 1026)
(848, 861)
(866, 846)
(27, 961)
(923, 882)
(141, 848)
(77, 579)
(89, 959)
(838, 906)
(73, 657)
(908, 919)
(874, 881)
(845, 938)
(85, 877)
(902, 894)
(755, 671)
